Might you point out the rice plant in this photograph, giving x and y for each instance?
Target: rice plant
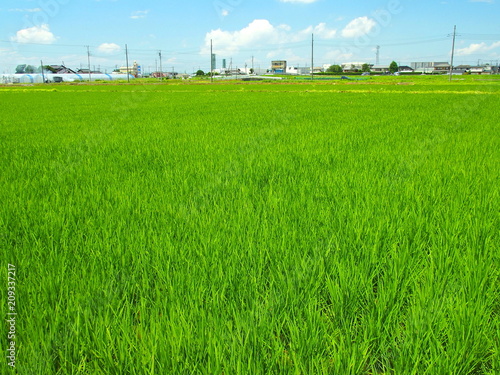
(253, 228)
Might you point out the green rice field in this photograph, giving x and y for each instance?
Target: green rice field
(251, 228)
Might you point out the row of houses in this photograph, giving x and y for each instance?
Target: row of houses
(431, 67)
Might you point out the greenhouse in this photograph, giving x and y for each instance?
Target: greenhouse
(50, 78)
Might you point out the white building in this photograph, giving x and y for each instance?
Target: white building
(430, 66)
(298, 70)
(135, 69)
(353, 66)
(380, 68)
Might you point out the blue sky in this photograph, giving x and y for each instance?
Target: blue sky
(58, 30)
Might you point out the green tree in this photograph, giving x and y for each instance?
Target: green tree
(30, 69)
(334, 69)
(200, 73)
(20, 69)
(393, 68)
(365, 68)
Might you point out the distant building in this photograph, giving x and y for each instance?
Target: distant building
(298, 70)
(233, 71)
(430, 67)
(443, 67)
(477, 70)
(484, 69)
(87, 71)
(134, 69)
(352, 66)
(159, 75)
(256, 70)
(59, 69)
(405, 69)
(380, 68)
(278, 66)
(470, 69)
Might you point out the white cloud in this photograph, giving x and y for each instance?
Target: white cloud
(139, 14)
(260, 33)
(288, 54)
(338, 55)
(224, 13)
(257, 32)
(36, 34)
(358, 27)
(299, 1)
(320, 31)
(323, 32)
(482, 1)
(284, 27)
(109, 48)
(475, 48)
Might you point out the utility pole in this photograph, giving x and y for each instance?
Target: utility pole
(211, 62)
(161, 70)
(312, 57)
(126, 57)
(43, 76)
(88, 57)
(377, 59)
(453, 50)
(253, 70)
